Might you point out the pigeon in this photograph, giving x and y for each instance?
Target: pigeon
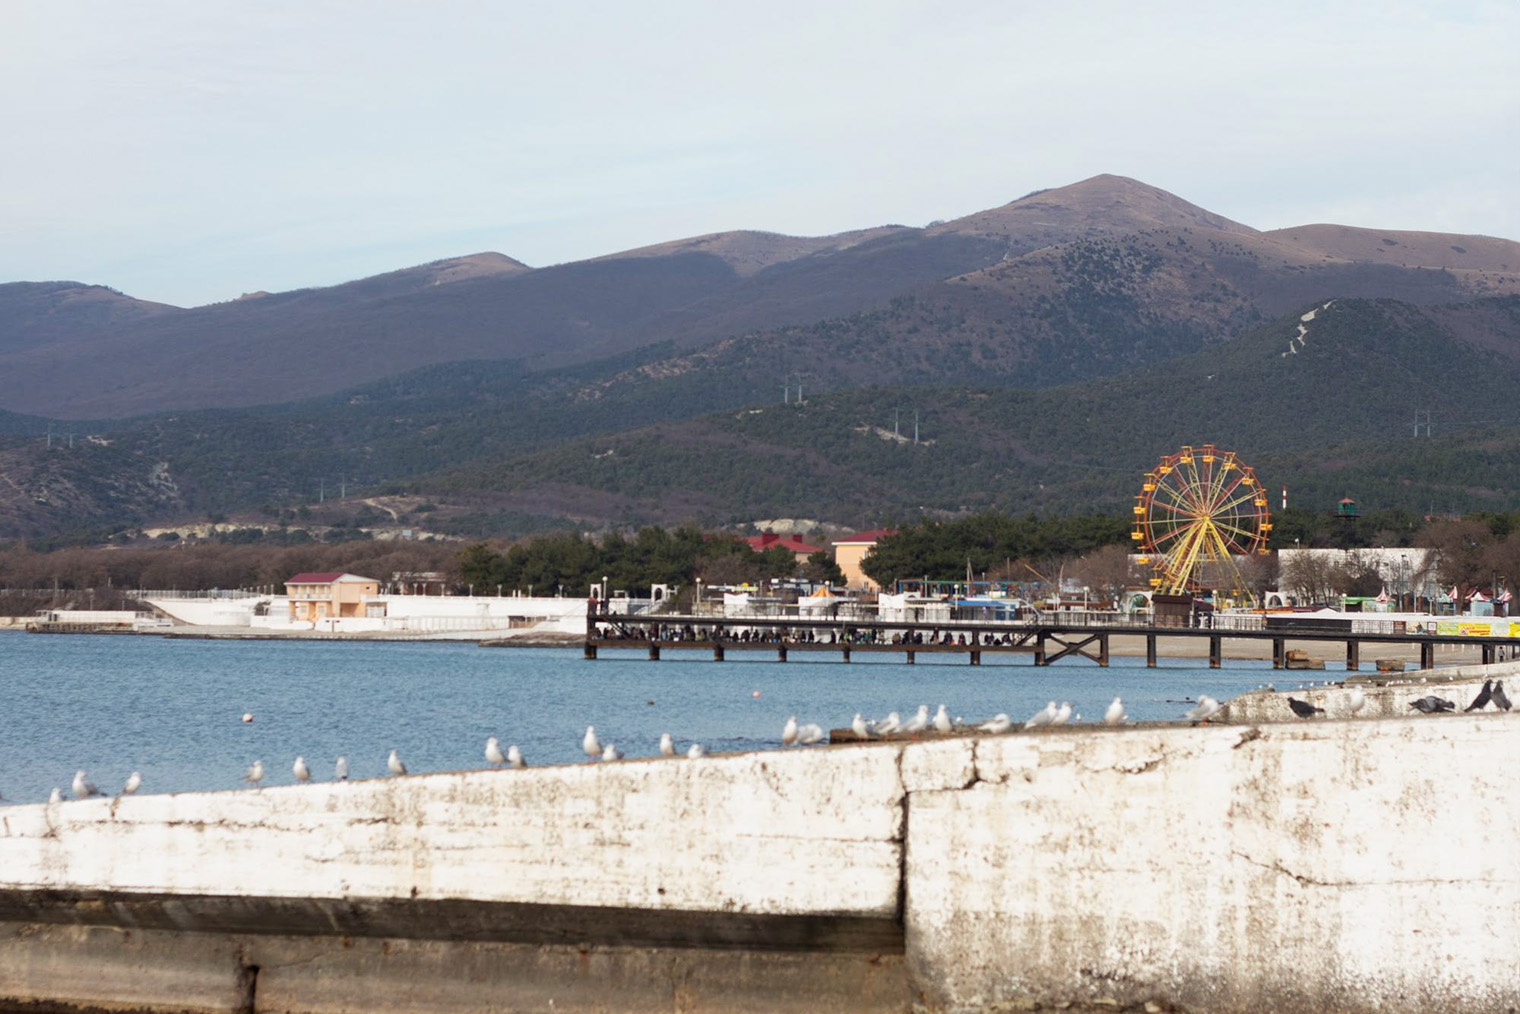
(83, 787)
(1356, 701)
(252, 776)
(862, 728)
(1062, 714)
(340, 769)
(695, 750)
(999, 723)
(1115, 715)
(515, 757)
(493, 752)
(1044, 716)
(1303, 709)
(667, 747)
(1500, 698)
(809, 734)
(920, 720)
(300, 770)
(590, 745)
(611, 753)
(134, 782)
(56, 797)
(394, 765)
(1205, 709)
(942, 721)
(1484, 696)
(1432, 705)
(789, 732)
(888, 725)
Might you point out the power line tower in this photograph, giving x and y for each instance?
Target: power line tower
(1421, 419)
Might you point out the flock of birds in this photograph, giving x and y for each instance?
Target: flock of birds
(810, 733)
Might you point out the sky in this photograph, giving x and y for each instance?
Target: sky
(188, 152)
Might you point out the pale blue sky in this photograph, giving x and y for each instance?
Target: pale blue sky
(191, 151)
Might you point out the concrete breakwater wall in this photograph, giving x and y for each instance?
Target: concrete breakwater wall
(1351, 865)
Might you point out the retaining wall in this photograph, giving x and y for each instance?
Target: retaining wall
(1357, 866)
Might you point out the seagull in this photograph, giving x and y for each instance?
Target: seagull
(667, 748)
(862, 728)
(789, 732)
(590, 745)
(56, 797)
(888, 725)
(83, 787)
(515, 757)
(1357, 700)
(999, 723)
(1431, 705)
(942, 721)
(1205, 709)
(809, 734)
(919, 721)
(1115, 714)
(611, 753)
(695, 750)
(1062, 714)
(300, 770)
(134, 782)
(252, 776)
(1484, 696)
(493, 752)
(393, 763)
(1499, 696)
(1045, 716)
(340, 769)
(1303, 709)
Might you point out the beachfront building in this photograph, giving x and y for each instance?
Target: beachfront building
(770, 540)
(850, 554)
(329, 595)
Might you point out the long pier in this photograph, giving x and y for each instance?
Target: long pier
(1046, 641)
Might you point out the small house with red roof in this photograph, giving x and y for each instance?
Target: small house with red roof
(850, 553)
(328, 595)
(770, 540)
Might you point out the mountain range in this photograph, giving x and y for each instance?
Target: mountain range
(1049, 347)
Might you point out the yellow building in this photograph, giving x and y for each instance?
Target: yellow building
(851, 552)
(329, 595)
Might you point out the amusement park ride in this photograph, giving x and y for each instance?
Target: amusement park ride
(1197, 513)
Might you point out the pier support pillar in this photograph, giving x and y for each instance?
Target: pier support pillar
(1039, 650)
(781, 653)
(1150, 651)
(1427, 655)
(1103, 650)
(1279, 652)
(912, 655)
(846, 652)
(1488, 654)
(976, 657)
(718, 652)
(654, 652)
(590, 650)
(1353, 656)
(1216, 653)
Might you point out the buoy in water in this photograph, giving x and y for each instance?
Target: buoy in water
(247, 717)
(755, 694)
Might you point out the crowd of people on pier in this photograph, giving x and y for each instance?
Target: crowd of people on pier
(734, 634)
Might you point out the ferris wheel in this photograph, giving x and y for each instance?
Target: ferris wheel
(1198, 511)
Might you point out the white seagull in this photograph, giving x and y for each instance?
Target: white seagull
(611, 753)
(999, 723)
(254, 774)
(590, 745)
(919, 721)
(300, 770)
(942, 721)
(494, 755)
(809, 734)
(888, 725)
(1062, 714)
(83, 787)
(515, 757)
(394, 765)
(56, 797)
(1357, 700)
(861, 727)
(134, 782)
(695, 751)
(1045, 716)
(667, 745)
(1115, 714)
(789, 731)
(1203, 710)
(340, 769)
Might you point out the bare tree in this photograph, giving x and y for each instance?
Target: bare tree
(1107, 571)
(1460, 549)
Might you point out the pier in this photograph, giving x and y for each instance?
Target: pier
(1045, 641)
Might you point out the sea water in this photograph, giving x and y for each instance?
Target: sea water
(173, 708)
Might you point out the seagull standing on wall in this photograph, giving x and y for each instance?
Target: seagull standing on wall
(1045, 716)
(1357, 701)
(789, 731)
(340, 769)
(999, 723)
(254, 774)
(1063, 713)
(942, 721)
(394, 765)
(667, 745)
(300, 770)
(862, 728)
(920, 720)
(1205, 709)
(494, 756)
(134, 782)
(1114, 715)
(889, 724)
(809, 734)
(590, 745)
(695, 751)
(515, 757)
(83, 787)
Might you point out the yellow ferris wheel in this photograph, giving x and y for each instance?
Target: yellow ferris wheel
(1198, 511)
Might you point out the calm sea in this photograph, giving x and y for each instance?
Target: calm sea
(172, 708)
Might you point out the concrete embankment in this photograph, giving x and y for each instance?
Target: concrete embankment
(1350, 865)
